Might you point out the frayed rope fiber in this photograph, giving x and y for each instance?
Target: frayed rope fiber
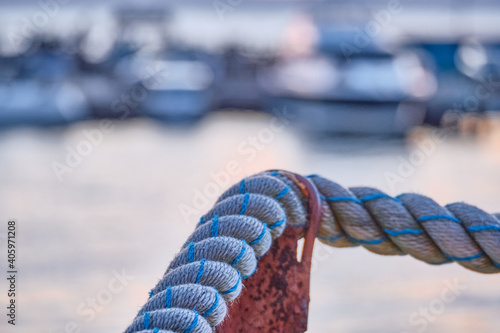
(223, 250)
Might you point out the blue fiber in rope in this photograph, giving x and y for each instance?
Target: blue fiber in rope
(193, 324)
(151, 293)
(403, 232)
(245, 203)
(234, 287)
(338, 199)
(168, 297)
(277, 224)
(214, 306)
(215, 226)
(242, 186)
(202, 220)
(367, 241)
(262, 234)
(200, 271)
(191, 252)
(247, 276)
(156, 330)
(146, 320)
(447, 261)
(378, 196)
(243, 249)
(437, 217)
(274, 173)
(312, 175)
(282, 193)
(483, 227)
(479, 255)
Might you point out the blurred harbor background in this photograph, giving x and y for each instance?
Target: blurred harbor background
(382, 67)
(121, 123)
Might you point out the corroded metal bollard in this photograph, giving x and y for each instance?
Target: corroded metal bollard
(276, 297)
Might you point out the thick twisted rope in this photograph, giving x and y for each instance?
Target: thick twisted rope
(192, 296)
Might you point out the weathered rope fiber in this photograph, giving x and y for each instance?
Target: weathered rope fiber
(192, 296)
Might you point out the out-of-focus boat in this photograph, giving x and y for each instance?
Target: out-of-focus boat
(371, 91)
(480, 60)
(36, 88)
(29, 102)
(236, 79)
(180, 92)
(454, 88)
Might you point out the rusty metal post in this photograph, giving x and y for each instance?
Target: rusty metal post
(276, 297)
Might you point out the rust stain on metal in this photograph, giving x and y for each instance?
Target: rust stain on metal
(276, 297)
